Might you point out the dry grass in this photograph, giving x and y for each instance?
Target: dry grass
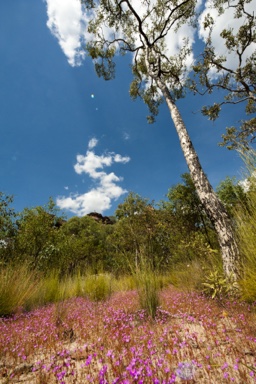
(193, 339)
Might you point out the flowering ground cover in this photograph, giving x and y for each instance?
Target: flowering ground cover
(193, 339)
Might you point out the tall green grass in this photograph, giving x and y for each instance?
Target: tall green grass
(22, 289)
(148, 284)
(98, 287)
(187, 277)
(246, 230)
(18, 286)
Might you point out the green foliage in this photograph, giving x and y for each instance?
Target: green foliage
(242, 137)
(7, 216)
(185, 204)
(192, 247)
(237, 84)
(167, 234)
(212, 111)
(8, 227)
(37, 238)
(136, 231)
(217, 285)
(232, 194)
(84, 245)
(132, 206)
(144, 37)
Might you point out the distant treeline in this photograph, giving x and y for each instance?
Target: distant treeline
(166, 233)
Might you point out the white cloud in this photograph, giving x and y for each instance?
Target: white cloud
(126, 136)
(66, 22)
(121, 159)
(99, 198)
(247, 183)
(92, 143)
(91, 162)
(225, 21)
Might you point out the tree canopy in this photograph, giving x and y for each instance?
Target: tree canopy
(145, 30)
(233, 72)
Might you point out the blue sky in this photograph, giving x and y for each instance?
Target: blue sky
(67, 134)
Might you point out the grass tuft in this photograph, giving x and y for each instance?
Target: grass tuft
(18, 286)
(148, 286)
(98, 287)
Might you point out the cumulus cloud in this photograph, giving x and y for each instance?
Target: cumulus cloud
(66, 22)
(121, 159)
(106, 190)
(224, 21)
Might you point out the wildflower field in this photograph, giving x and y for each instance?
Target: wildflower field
(192, 339)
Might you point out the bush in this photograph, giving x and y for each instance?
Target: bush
(217, 285)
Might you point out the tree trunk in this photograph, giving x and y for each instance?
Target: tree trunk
(213, 206)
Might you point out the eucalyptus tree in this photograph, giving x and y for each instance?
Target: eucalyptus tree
(7, 217)
(230, 65)
(8, 227)
(233, 195)
(84, 245)
(37, 237)
(186, 205)
(146, 29)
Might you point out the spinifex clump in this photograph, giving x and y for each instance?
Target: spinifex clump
(148, 286)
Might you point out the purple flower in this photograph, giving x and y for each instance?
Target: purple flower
(88, 360)
(225, 375)
(186, 370)
(60, 375)
(103, 370)
(224, 366)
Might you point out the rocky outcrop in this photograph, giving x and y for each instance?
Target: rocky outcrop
(99, 218)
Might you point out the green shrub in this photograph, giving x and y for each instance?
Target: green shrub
(216, 285)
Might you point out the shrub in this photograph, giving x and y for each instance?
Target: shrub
(216, 285)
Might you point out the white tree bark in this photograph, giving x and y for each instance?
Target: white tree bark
(213, 206)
